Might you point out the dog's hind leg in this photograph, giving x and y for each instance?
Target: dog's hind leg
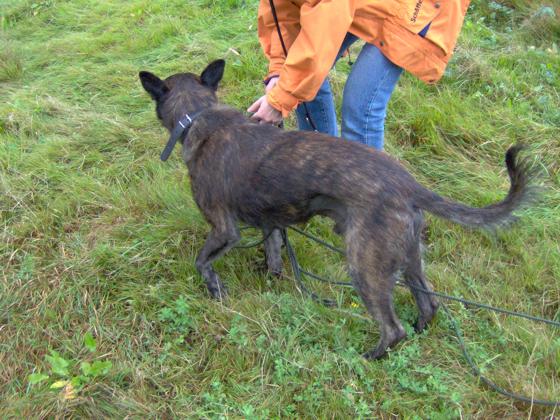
(377, 293)
(272, 250)
(220, 239)
(414, 275)
(372, 277)
(414, 278)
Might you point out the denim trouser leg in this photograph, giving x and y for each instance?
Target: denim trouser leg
(321, 110)
(366, 95)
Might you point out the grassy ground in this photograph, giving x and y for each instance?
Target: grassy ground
(101, 310)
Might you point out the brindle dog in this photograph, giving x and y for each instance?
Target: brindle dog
(270, 178)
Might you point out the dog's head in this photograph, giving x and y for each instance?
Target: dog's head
(183, 93)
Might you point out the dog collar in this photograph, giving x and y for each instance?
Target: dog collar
(180, 130)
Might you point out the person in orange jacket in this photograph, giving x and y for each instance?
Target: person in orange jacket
(415, 35)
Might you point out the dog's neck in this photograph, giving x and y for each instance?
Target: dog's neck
(179, 133)
(205, 125)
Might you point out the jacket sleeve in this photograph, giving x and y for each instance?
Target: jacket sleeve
(288, 18)
(323, 27)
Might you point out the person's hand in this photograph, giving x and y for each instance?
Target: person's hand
(271, 83)
(264, 112)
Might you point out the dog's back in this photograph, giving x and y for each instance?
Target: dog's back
(271, 176)
(289, 175)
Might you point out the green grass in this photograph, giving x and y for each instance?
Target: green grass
(98, 236)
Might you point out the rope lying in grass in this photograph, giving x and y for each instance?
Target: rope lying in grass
(429, 292)
(252, 244)
(299, 272)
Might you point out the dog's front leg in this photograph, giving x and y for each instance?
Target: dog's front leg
(272, 250)
(218, 242)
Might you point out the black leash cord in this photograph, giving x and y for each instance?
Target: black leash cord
(319, 241)
(299, 272)
(465, 302)
(252, 244)
(476, 370)
(275, 16)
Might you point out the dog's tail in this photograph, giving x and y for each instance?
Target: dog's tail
(523, 191)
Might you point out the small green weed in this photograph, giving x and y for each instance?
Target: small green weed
(177, 318)
(64, 373)
(238, 332)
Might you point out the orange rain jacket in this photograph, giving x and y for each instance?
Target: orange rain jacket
(313, 31)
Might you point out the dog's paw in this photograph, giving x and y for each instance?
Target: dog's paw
(375, 354)
(420, 325)
(275, 271)
(218, 291)
(390, 340)
(273, 268)
(425, 319)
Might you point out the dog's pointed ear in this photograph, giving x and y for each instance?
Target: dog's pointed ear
(212, 74)
(153, 85)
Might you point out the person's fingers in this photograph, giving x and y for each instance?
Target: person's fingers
(275, 116)
(263, 115)
(260, 117)
(256, 105)
(256, 116)
(264, 112)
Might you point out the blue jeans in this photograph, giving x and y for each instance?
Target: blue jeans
(364, 104)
